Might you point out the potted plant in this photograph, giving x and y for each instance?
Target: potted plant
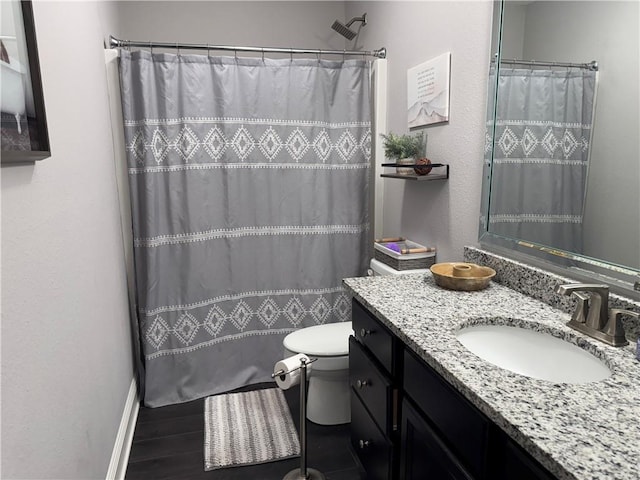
(403, 149)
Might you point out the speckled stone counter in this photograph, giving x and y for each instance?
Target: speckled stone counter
(586, 431)
(537, 283)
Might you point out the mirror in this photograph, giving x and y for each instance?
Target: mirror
(562, 165)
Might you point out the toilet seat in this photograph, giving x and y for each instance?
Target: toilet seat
(328, 340)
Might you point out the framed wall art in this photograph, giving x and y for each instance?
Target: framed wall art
(428, 92)
(23, 127)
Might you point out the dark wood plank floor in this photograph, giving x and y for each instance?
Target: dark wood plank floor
(168, 445)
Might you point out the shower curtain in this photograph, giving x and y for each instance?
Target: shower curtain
(249, 191)
(540, 155)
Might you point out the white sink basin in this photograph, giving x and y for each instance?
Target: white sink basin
(533, 354)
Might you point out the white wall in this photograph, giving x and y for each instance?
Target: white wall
(66, 349)
(443, 214)
(608, 32)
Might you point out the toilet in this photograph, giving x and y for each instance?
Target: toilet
(328, 394)
(328, 397)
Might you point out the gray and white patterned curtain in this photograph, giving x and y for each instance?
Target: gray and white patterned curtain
(249, 185)
(541, 154)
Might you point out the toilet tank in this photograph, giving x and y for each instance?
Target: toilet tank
(376, 267)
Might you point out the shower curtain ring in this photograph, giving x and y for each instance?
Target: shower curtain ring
(235, 54)
(208, 51)
(178, 48)
(344, 55)
(151, 47)
(318, 55)
(291, 53)
(263, 55)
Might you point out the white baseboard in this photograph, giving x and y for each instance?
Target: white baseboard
(122, 446)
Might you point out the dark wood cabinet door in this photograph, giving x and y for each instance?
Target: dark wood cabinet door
(509, 461)
(463, 428)
(424, 456)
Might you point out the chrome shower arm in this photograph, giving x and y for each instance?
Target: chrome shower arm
(362, 19)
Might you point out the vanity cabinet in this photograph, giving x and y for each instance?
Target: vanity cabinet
(409, 423)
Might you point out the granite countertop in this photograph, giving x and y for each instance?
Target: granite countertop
(577, 431)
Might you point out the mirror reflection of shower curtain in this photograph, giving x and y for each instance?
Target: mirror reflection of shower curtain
(249, 189)
(541, 155)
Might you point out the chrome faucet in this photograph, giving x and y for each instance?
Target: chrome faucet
(591, 316)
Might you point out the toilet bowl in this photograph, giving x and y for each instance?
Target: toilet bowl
(328, 401)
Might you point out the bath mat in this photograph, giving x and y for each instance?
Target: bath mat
(248, 428)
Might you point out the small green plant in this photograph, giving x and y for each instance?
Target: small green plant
(402, 146)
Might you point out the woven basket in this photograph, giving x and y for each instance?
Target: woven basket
(408, 264)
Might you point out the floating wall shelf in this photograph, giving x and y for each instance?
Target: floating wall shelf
(420, 178)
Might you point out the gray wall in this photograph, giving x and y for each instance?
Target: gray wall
(66, 350)
(443, 214)
(268, 24)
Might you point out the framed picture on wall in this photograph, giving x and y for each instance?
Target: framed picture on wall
(428, 92)
(23, 127)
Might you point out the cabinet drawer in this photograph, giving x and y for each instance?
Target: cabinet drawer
(375, 336)
(459, 423)
(371, 385)
(371, 446)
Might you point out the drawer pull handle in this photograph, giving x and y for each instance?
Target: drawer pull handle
(364, 444)
(362, 383)
(364, 333)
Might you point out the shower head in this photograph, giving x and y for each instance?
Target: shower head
(344, 30)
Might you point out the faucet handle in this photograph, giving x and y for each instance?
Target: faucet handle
(582, 309)
(598, 310)
(568, 288)
(614, 326)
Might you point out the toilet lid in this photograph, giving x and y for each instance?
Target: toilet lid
(331, 339)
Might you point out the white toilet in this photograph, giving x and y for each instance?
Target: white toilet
(328, 398)
(328, 394)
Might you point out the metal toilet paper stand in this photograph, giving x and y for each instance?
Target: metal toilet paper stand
(302, 473)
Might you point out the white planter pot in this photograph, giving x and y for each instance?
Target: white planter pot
(405, 161)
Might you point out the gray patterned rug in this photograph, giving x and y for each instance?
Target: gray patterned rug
(248, 428)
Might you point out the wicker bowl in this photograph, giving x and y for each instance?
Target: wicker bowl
(478, 278)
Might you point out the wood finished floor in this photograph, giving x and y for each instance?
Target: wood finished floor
(168, 445)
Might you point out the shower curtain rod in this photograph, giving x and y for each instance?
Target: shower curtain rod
(115, 43)
(588, 66)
